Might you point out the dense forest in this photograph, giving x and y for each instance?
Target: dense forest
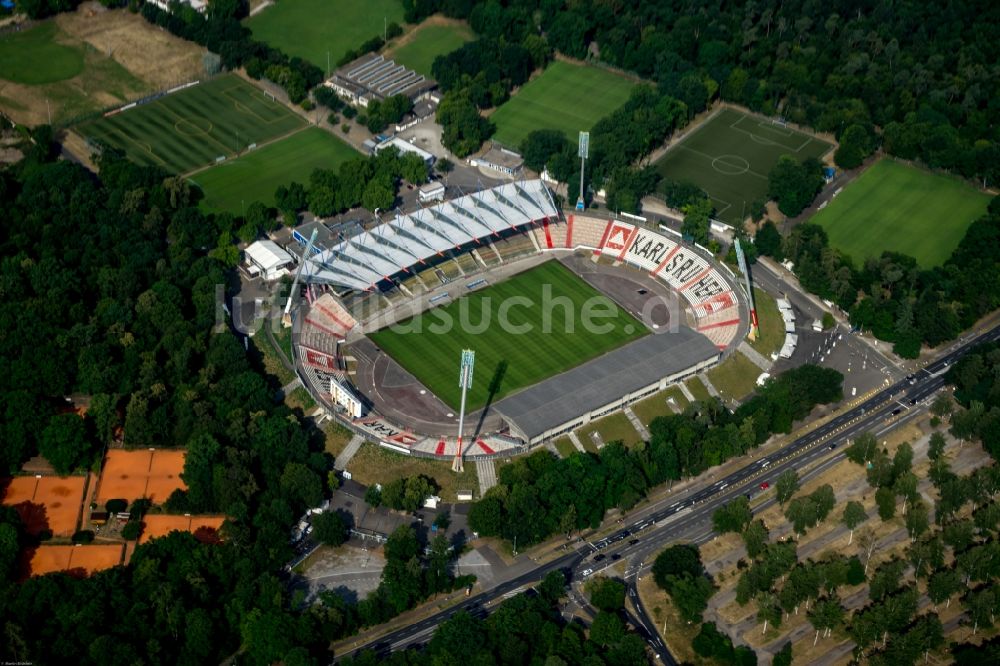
(539, 495)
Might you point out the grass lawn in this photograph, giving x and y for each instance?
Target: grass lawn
(901, 208)
(375, 464)
(730, 155)
(564, 447)
(611, 428)
(531, 350)
(255, 175)
(335, 438)
(193, 127)
(772, 326)
(270, 360)
(312, 28)
(655, 405)
(300, 399)
(735, 377)
(34, 56)
(698, 389)
(418, 48)
(553, 101)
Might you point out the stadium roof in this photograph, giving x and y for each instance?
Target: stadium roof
(560, 399)
(362, 261)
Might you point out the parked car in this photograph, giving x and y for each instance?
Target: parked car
(764, 485)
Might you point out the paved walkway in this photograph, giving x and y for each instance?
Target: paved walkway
(289, 387)
(345, 456)
(755, 356)
(686, 391)
(576, 441)
(708, 385)
(637, 424)
(487, 473)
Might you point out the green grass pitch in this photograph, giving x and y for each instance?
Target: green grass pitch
(730, 155)
(428, 42)
(433, 356)
(193, 127)
(310, 29)
(34, 56)
(255, 175)
(900, 208)
(566, 97)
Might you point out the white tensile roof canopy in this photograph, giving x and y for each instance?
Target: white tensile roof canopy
(268, 255)
(362, 261)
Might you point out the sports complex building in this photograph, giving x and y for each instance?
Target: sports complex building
(426, 263)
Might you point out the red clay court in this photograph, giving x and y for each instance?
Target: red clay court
(47, 502)
(77, 560)
(131, 475)
(205, 528)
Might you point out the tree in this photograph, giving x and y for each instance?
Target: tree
(540, 145)
(373, 496)
(942, 406)
(697, 218)
(442, 520)
(862, 448)
(855, 146)
(886, 501)
(606, 594)
(935, 447)
(794, 185)
(755, 538)
(66, 443)
(553, 586)
(768, 240)
(854, 515)
(786, 485)
(943, 585)
(377, 195)
(768, 611)
(784, 656)
(329, 528)
(690, 595)
(413, 168)
(734, 516)
(607, 629)
(678, 560)
(132, 530)
(826, 615)
(301, 484)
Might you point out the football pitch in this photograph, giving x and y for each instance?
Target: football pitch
(255, 175)
(193, 127)
(730, 155)
(310, 29)
(565, 97)
(545, 345)
(892, 206)
(426, 42)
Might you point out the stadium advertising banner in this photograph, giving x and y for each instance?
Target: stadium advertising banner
(319, 360)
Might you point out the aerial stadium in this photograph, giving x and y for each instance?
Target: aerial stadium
(571, 317)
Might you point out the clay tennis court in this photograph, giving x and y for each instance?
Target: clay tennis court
(49, 503)
(77, 560)
(130, 475)
(204, 528)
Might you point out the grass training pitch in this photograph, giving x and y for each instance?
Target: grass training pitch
(255, 175)
(34, 56)
(310, 29)
(892, 206)
(553, 101)
(730, 155)
(418, 49)
(538, 352)
(193, 127)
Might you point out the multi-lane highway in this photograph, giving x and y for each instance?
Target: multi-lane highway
(686, 513)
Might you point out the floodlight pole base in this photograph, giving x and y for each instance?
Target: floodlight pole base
(286, 320)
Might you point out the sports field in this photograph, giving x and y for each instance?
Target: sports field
(900, 208)
(730, 155)
(566, 97)
(418, 48)
(532, 350)
(312, 28)
(255, 175)
(35, 56)
(193, 127)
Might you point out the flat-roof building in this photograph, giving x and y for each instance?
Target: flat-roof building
(372, 77)
(432, 191)
(500, 159)
(404, 146)
(267, 259)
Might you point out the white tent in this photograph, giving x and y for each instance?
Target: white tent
(269, 258)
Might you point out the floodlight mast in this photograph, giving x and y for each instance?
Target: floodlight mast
(742, 261)
(464, 382)
(583, 149)
(286, 317)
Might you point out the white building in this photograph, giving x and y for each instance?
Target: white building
(432, 191)
(404, 147)
(267, 259)
(199, 6)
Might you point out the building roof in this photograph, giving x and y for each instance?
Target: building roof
(404, 147)
(373, 75)
(502, 157)
(268, 255)
(361, 262)
(433, 187)
(560, 399)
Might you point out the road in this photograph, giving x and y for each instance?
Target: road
(687, 514)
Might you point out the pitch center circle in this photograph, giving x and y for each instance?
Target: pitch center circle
(193, 126)
(730, 165)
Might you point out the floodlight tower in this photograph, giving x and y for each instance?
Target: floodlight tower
(742, 261)
(464, 383)
(583, 150)
(286, 317)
